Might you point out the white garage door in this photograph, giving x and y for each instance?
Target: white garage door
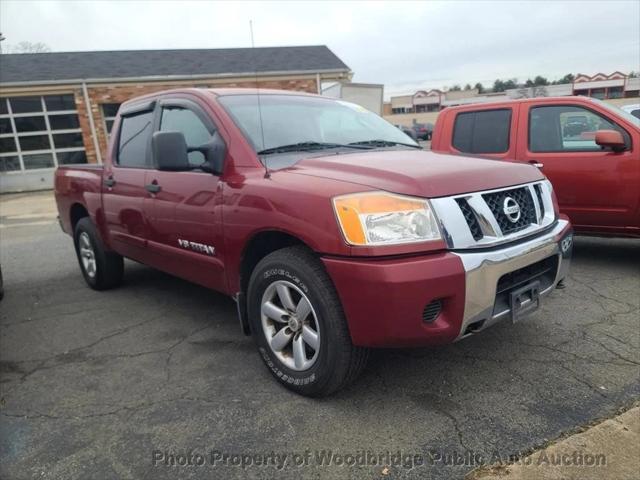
(37, 133)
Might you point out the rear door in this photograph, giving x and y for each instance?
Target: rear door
(485, 132)
(123, 191)
(184, 214)
(596, 187)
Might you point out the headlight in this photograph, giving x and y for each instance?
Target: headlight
(379, 218)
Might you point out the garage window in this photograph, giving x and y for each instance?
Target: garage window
(39, 132)
(109, 113)
(485, 131)
(9, 164)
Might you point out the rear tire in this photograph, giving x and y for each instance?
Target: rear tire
(310, 316)
(102, 269)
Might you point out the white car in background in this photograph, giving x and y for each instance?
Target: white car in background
(633, 109)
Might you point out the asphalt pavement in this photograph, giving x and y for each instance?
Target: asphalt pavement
(154, 380)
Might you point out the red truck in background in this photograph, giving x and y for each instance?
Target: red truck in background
(332, 230)
(588, 149)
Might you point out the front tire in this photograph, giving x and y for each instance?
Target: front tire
(298, 324)
(102, 269)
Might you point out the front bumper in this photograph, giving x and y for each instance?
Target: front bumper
(384, 300)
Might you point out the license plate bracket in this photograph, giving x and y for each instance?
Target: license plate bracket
(524, 301)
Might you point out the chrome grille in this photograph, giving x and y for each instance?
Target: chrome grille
(478, 219)
(522, 196)
(470, 217)
(538, 189)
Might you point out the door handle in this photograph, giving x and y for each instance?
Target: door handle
(153, 187)
(536, 164)
(109, 182)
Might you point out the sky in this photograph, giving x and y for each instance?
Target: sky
(404, 45)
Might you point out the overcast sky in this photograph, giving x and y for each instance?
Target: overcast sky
(404, 46)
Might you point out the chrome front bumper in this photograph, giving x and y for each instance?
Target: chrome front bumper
(483, 270)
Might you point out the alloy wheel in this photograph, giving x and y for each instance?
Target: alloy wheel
(290, 325)
(87, 254)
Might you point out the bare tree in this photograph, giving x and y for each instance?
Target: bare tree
(28, 47)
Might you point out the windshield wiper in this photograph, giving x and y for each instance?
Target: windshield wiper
(383, 143)
(308, 146)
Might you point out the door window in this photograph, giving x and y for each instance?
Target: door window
(196, 133)
(485, 131)
(135, 134)
(566, 128)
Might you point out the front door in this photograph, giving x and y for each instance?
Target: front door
(594, 186)
(123, 191)
(184, 213)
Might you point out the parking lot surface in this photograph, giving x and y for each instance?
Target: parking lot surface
(121, 384)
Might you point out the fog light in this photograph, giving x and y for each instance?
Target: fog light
(431, 311)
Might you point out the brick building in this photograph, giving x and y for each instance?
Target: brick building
(58, 108)
(423, 106)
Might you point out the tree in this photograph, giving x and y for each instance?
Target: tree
(568, 78)
(498, 86)
(634, 74)
(455, 88)
(529, 83)
(540, 81)
(478, 86)
(467, 86)
(502, 85)
(28, 47)
(511, 83)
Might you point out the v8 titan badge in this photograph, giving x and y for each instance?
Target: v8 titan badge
(197, 247)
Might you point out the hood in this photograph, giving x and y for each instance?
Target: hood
(418, 172)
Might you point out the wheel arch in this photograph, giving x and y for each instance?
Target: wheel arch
(259, 246)
(77, 212)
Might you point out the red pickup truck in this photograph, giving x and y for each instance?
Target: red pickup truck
(332, 230)
(589, 150)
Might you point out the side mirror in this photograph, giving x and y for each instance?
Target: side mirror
(611, 139)
(214, 151)
(169, 151)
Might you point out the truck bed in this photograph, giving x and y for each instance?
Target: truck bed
(77, 186)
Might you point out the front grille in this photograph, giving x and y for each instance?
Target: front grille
(431, 311)
(543, 271)
(478, 219)
(538, 188)
(471, 219)
(522, 196)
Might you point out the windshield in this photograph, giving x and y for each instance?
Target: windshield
(618, 111)
(296, 119)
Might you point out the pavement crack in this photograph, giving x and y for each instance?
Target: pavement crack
(579, 357)
(599, 294)
(611, 351)
(130, 408)
(456, 427)
(120, 409)
(74, 355)
(170, 349)
(578, 379)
